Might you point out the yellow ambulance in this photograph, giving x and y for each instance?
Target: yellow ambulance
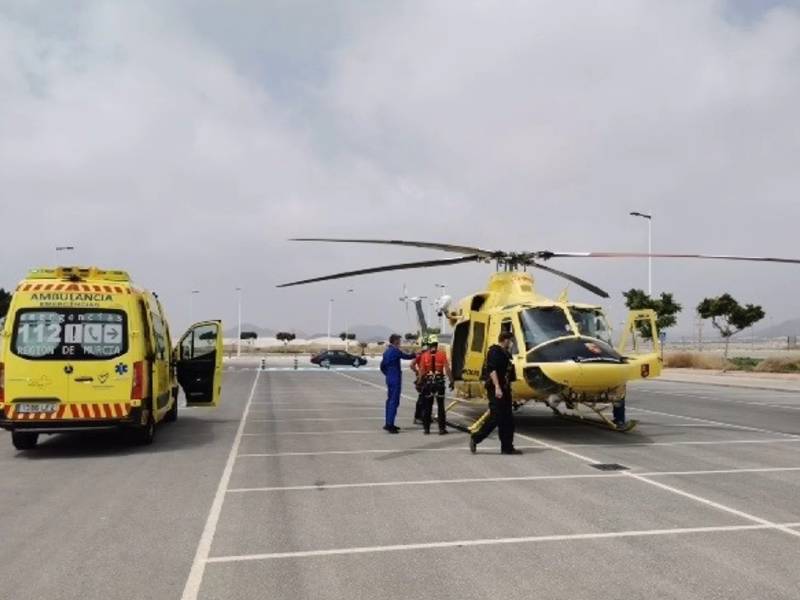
(84, 349)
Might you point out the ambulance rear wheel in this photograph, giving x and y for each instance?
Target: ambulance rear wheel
(172, 413)
(145, 434)
(24, 440)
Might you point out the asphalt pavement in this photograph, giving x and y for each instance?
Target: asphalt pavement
(292, 490)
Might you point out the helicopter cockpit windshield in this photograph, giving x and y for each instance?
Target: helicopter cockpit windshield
(592, 323)
(540, 325)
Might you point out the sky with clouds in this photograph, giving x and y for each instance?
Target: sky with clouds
(185, 141)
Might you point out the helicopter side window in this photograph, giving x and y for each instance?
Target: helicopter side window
(591, 322)
(478, 333)
(507, 326)
(540, 325)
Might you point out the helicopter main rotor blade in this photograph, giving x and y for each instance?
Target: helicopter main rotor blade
(546, 255)
(399, 267)
(429, 245)
(576, 280)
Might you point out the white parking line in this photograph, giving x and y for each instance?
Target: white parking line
(672, 489)
(370, 451)
(675, 490)
(775, 403)
(521, 478)
(192, 587)
(496, 542)
(333, 432)
(317, 419)
(345, 408)
(709, 421)
(376, 484)
(690, 443)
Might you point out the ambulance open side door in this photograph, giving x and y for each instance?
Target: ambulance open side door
(198, 363)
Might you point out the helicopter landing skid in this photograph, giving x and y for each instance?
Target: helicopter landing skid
(601, 421)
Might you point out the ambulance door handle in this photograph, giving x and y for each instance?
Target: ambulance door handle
(84, 379)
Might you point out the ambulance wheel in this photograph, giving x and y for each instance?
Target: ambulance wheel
(24, 440)
(144, 435)
(172, 413)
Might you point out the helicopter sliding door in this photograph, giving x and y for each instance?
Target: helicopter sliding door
(458, 353)
(476, 349)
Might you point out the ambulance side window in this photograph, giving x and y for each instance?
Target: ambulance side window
(160, 335)
(201, 343)
(146, 331)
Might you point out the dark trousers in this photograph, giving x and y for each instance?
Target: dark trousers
(418, 409)
(501, 415)
(433, 390)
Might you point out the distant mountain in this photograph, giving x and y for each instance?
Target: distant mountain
(372, 333)
(786, 328)
(364, 333)
(261, 331)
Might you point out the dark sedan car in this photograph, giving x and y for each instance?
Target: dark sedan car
(338, 357)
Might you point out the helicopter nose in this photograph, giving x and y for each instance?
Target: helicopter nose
(587, 377)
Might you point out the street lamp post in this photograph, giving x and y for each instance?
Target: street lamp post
(347, 327)
(239, 329)
(191, 306)
(649, 248)
(330, 316)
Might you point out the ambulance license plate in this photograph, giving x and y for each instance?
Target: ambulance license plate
(36, 407)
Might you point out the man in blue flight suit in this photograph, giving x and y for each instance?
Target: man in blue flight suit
(390, 367)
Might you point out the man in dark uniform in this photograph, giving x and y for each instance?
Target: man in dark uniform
(499, 371)
(390, 367)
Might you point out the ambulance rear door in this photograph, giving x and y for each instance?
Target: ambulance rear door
(198, 363)
(35, 376)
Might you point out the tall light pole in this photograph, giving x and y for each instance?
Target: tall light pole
(442, 320)
(330, 316)
(191, 306)
(239, 336)
(649, 248)
(347, 326)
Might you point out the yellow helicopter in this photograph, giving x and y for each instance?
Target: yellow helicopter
(563, 352)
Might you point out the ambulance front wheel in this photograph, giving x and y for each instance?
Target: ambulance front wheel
(24, 440)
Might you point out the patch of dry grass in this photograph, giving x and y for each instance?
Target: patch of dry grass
(694, 360)
(779, 364)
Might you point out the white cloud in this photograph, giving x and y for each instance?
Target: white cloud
(185, 141)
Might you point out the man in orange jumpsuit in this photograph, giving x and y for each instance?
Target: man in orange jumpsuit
(432, 368)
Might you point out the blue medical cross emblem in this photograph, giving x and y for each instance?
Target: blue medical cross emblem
(121, 369)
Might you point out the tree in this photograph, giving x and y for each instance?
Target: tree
(728, 316)
(249, 335)
(285, 337)
(666, 309)
(363, 346)
(5, 302)
(411, 337)
(347, 336)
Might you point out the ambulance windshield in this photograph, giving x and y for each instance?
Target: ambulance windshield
(70, 334)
